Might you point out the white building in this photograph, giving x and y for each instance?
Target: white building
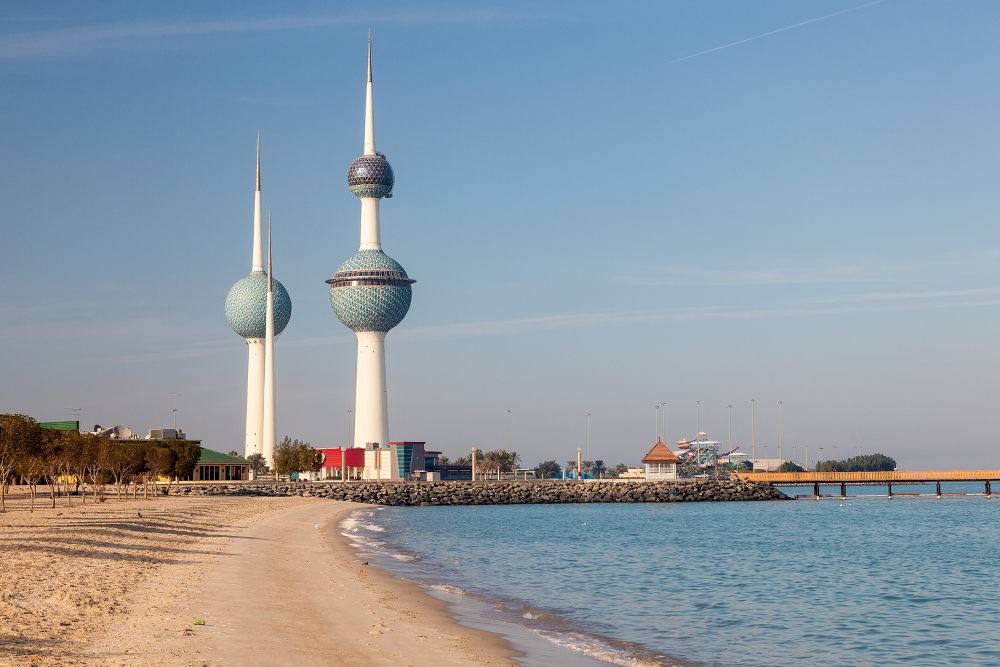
(660, 462)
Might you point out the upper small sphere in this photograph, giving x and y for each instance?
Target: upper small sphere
(246, 306)
(371, 176)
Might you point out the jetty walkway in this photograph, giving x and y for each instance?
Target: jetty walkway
(870, 478)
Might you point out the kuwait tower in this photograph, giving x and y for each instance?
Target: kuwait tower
(258, 309)
(370, 292)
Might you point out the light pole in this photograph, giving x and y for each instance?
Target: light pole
(656, 407)
(508, 435)
(588, 438)
(807, 458)
(663, 406)
(730, 406)
(697, 419)
(779, 431)
(349, 413)
(175, 419)
(753, 433)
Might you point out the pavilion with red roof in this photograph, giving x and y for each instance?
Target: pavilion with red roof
(660, 462)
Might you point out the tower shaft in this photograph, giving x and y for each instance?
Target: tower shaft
(371, 408)
(270, 428)
(371, 237)
(255, 395)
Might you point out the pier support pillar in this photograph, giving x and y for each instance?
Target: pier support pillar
(816, 490)
(890, 491)
(988, 494)
(843, 491)
(939, 489)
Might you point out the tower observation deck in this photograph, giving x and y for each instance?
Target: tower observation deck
(370, 292)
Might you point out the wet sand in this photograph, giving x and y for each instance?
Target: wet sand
(272, 579)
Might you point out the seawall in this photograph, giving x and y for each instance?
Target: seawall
(499, 493)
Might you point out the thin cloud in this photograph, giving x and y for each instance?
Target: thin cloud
(81, 39)
(776, 31)
(859, 270)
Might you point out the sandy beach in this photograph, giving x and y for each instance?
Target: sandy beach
(271, 578)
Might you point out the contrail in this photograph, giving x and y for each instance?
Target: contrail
(775, 32)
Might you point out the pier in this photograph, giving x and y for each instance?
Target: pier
(872, 478)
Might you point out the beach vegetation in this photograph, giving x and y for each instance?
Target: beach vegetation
(547, 469)
(790, 466)
(295, 456)
(258, 462)
(598, 468)
(66, 460)
(862, 463)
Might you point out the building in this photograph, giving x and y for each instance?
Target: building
(370, 293)
(215, 466)
(342, 463)
(258, 309)
(660, 462)
(633, 473)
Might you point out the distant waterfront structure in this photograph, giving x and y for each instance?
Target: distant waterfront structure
(258, 308)
(660, 462)
(371, 293)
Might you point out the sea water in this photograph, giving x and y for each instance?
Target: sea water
(866, 581)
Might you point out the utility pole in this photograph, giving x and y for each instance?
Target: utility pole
(588, 438)
(697, 420)
(753, 433)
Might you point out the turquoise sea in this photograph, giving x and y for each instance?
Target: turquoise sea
(866, 581)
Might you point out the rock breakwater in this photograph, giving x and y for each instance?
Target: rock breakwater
(499, 493)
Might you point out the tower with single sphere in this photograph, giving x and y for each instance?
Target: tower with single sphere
(370, 292)
(247, 313)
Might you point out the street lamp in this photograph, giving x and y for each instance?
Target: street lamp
(349, 422)
(664, 406)
(656, 407)
(730, 406)
(508, 434)
(697, 419)
(753, 432)
(779, 430)
(175, 418)
(588, 438)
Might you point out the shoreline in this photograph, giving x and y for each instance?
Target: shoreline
(98, 584)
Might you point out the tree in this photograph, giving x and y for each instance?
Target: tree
(790, 466)
(16, 431)
(588, 467)
(159, 460)
(620, 469)
(599, 468)
(461, 460)
(571, 467)
(124, 460)
(548, 469)
(233, 452)
(443, 460)
(257, 462)
(310, 459)
(185, 455)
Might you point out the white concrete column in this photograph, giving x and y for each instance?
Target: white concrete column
(370, 233)
(371, 411)
(269, 427)
(255, 395)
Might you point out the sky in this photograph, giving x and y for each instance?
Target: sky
(606, 206)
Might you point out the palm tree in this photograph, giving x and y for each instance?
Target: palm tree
(599, 468)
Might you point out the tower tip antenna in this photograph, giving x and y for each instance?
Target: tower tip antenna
(369, 54)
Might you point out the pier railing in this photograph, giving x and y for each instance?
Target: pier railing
(869, 477)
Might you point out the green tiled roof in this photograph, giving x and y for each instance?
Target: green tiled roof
(212, 456)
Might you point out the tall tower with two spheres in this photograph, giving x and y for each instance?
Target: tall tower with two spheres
(258, 309)
(370, 292)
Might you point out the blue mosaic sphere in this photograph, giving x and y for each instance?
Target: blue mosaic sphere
(246, 306)
(370, 292)
(371, 176)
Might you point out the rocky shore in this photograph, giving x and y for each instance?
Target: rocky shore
(498, 493)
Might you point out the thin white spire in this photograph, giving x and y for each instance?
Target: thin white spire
(369, 107)
(257, 256)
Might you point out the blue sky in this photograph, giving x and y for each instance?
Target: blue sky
(597, 221)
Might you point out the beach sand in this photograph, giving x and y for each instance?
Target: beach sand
(272, 578)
